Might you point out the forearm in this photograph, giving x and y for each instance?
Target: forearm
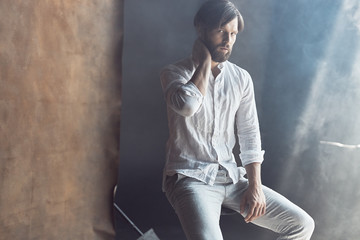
(253, 172)
(185, 95)
(253, 198)
(201, 76)
(202, 58)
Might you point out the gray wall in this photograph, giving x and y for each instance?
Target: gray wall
(301, 55)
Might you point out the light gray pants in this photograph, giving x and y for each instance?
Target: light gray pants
(198, 206)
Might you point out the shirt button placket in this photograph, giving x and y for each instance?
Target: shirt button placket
(216, 118)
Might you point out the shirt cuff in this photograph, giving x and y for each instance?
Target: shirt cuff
(249, 157)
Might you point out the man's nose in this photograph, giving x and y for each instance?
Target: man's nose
(226, 37)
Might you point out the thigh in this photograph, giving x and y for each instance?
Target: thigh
(282, 216)
(198, 207)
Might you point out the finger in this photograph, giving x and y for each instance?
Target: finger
(258, 212)
(255, 214)
(250, 213)
(263, 210)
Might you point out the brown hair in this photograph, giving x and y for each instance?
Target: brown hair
(216, 13)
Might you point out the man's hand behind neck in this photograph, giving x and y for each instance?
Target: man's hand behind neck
(202, 59)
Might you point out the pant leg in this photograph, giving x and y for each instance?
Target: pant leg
(197, 206)
(282, 216)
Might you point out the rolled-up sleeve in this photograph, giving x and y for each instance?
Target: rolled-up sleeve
(181, 94)
(248, 126)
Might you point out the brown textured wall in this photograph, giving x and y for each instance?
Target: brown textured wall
(60, 75)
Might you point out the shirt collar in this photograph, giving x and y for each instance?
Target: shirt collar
(221, 66)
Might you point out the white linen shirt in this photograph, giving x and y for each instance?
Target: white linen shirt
(202, 128)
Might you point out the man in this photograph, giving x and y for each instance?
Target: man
(207, 96)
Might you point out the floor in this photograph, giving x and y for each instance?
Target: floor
(233, 227)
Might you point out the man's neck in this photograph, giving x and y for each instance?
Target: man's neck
(215, 68)
(214, 64)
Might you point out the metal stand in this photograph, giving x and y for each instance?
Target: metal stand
(149, 235)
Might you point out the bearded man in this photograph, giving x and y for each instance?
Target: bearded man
(207, 98)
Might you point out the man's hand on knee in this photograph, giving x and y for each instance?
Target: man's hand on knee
(254, 201)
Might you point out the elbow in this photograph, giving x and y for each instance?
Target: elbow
(186, 110)
(185, 105)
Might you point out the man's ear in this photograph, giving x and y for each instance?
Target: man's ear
(201, 32)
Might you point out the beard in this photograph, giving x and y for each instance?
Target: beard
(219, 56)
(216, 54)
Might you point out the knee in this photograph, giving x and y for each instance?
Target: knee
(306, 226)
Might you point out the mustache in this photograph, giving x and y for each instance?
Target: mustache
(223, 46)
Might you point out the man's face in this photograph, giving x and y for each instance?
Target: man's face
(220, 41)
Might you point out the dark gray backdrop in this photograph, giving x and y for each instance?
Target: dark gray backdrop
(302, 57)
